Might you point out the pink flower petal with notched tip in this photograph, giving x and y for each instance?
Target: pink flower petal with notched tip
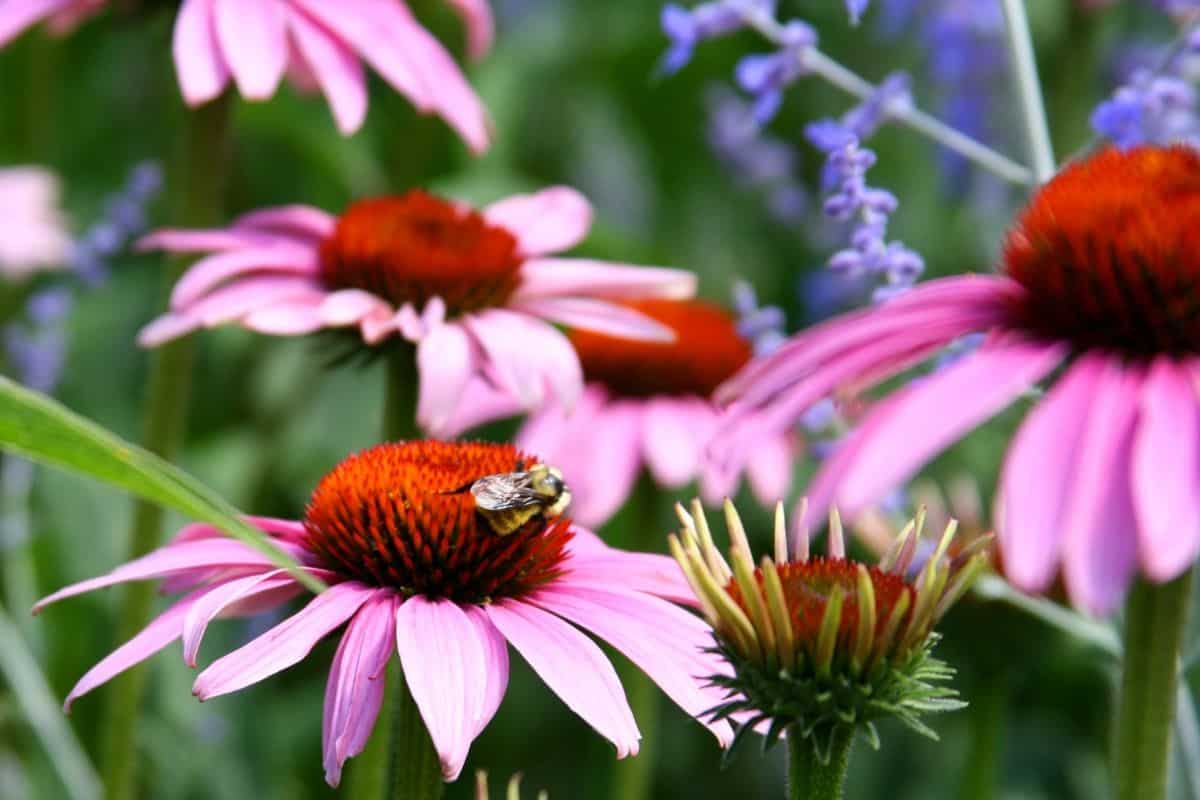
(939, 409)
(578, 277)
(285, 644)
(335, 69)
(526, 356)
(664, 641)
(481, 27)
(354, 693)
(202, 69)
(253, 37)
(1166, 471)
(1099, 536)
(446, 363)
(573, 667)
(162, 630)
(598, 316)
(1039, 476)
(548, 221)
(445, 666)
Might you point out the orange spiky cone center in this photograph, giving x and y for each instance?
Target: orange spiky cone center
(706, 351)
(1109, 251)
(414, 247)
(399, 515)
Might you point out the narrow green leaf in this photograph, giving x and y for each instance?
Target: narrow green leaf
(40, 428)
(28, 685)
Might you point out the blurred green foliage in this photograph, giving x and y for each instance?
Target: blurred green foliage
(573, 90)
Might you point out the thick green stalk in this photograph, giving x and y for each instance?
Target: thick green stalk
(633, 778)
(808, 778)
(197, 183)
(1155, 617)
(415, 769)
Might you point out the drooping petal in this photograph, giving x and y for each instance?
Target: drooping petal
(215, 600)
(287, 318)
(481, 28)
(549, 221)
(486, 403)
(1100, 526)
(769, 468)
(16, 17)
(936, 411)
(445, 363)
(285, 644)
(350, 306)
(596, 315)
(304, 225)
(336, 70)
(253, 38)
(675, 432)
(166, 327)
(579, 277)
(495, 666)
(1039, 476)
(573, 667)
(444, 659)
(525, 355)
(203, 240)
(663, 640)
(162, 630)
(1166, 471)
(354, 693)
(234, 300)
(210, 272)
(185, 556)
(201, 68)
(604, 567)
(600, 456)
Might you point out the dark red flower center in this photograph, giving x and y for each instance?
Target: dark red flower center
(1110, 253)
(414, 247)
(400, 515)
(706, 351)
(808, 585)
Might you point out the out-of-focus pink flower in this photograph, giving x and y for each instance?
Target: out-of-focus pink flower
(475, 291)
(413, 568)
(35, 230)
(646, 404)
(1102, 275)
(322, 44)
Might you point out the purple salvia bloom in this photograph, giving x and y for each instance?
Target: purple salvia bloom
(763, 326)
(766, 75)
(686, 28)
(856, 8)
(1150, 109)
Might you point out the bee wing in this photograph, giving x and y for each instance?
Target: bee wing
(504, 492)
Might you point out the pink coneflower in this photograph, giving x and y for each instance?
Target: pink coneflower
(35, 230)
(319, 44)
(1100, 278)
(472, 290)
(413, 567)
(646, 404)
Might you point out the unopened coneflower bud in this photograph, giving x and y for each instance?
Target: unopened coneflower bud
(824, 646)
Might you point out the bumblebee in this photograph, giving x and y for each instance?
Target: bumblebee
(510, 499)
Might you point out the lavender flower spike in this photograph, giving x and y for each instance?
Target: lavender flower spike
(688, 27)
(766, 75)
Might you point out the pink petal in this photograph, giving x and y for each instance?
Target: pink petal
(285, 644)
(485, 403)
(354, 693)
(350, 306)
(525, 355)
(165, 328)
(548, 221)
(481, 28)
(605, 459)
(444, 660)
(201, 68)
(216, 599)
(939, 409)
(188, 555)
(605, 567)
(161, 631)
(1166, 458)
(1100, 526)
(578, 277)
(664, 641)
(675, 432)
(304, 224)
(573, 667)
(596, 315)
(234, 300)
(15, 17)
(253, 38)
(203, 240)
(1039, 476)
(770, 467)
(495, 655)
(209, 273)
(336, 69)
(288, 318)
(445, 364)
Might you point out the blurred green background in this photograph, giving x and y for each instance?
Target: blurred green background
(573, 88)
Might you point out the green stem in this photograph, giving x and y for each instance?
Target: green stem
(1155, 617)
(986, 717)
(400, 394)
(415, 769)
(1029, 89)
(633, 778)
(811, 779)
(198, 186)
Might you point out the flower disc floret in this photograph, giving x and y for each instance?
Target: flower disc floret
(414, 247)
(400, 516)
(1109, 251)
(705, 351)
